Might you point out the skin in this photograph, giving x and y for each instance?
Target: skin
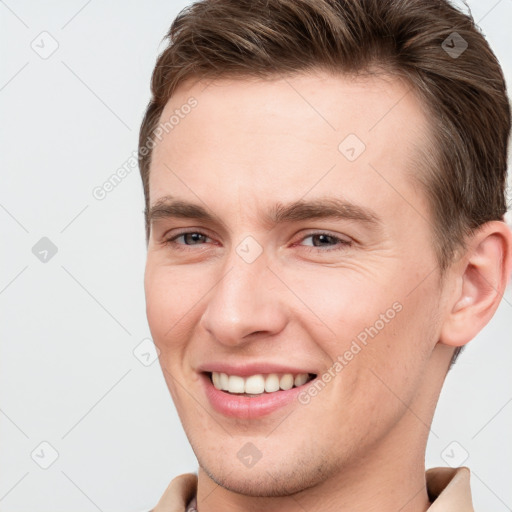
(360, 443)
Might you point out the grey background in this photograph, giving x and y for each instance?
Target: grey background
(69, 376)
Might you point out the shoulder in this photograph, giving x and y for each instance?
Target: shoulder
(178, 493)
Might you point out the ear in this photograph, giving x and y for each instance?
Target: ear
(481, 277)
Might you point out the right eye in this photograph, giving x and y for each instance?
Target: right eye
(194, 237)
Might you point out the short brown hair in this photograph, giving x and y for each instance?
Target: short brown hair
(437, 48)
(465, 94)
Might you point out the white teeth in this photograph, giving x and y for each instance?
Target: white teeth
(255, 384)
(236, 384)
(272, 383)
(286, 381)
(258, 384)
(223, 381)
(300, 379)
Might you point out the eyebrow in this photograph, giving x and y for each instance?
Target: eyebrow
(296, 211)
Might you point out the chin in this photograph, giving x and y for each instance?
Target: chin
(284, 477)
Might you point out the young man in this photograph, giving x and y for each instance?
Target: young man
(325, 193)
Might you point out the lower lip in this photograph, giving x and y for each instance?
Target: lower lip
(247, 407)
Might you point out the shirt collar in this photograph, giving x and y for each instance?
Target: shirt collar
(448, 489)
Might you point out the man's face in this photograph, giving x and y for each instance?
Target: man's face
(251, 294)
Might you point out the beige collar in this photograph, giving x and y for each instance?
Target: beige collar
(448, 487)
(451, 487)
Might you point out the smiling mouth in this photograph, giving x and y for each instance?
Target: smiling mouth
(258, 384)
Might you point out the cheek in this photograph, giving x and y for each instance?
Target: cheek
(344, 305)
(373, 326)
(390, 368)
(170, 298)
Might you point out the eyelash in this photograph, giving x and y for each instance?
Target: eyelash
(343, 244)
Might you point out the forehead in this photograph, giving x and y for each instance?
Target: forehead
(255, 140)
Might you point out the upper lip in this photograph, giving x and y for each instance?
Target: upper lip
(246, 369)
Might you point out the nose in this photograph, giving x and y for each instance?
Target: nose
(245, 304)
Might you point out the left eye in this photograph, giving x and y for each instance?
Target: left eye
(326, 238)
(192, 235)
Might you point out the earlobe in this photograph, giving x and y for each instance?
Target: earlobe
(481, 284)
